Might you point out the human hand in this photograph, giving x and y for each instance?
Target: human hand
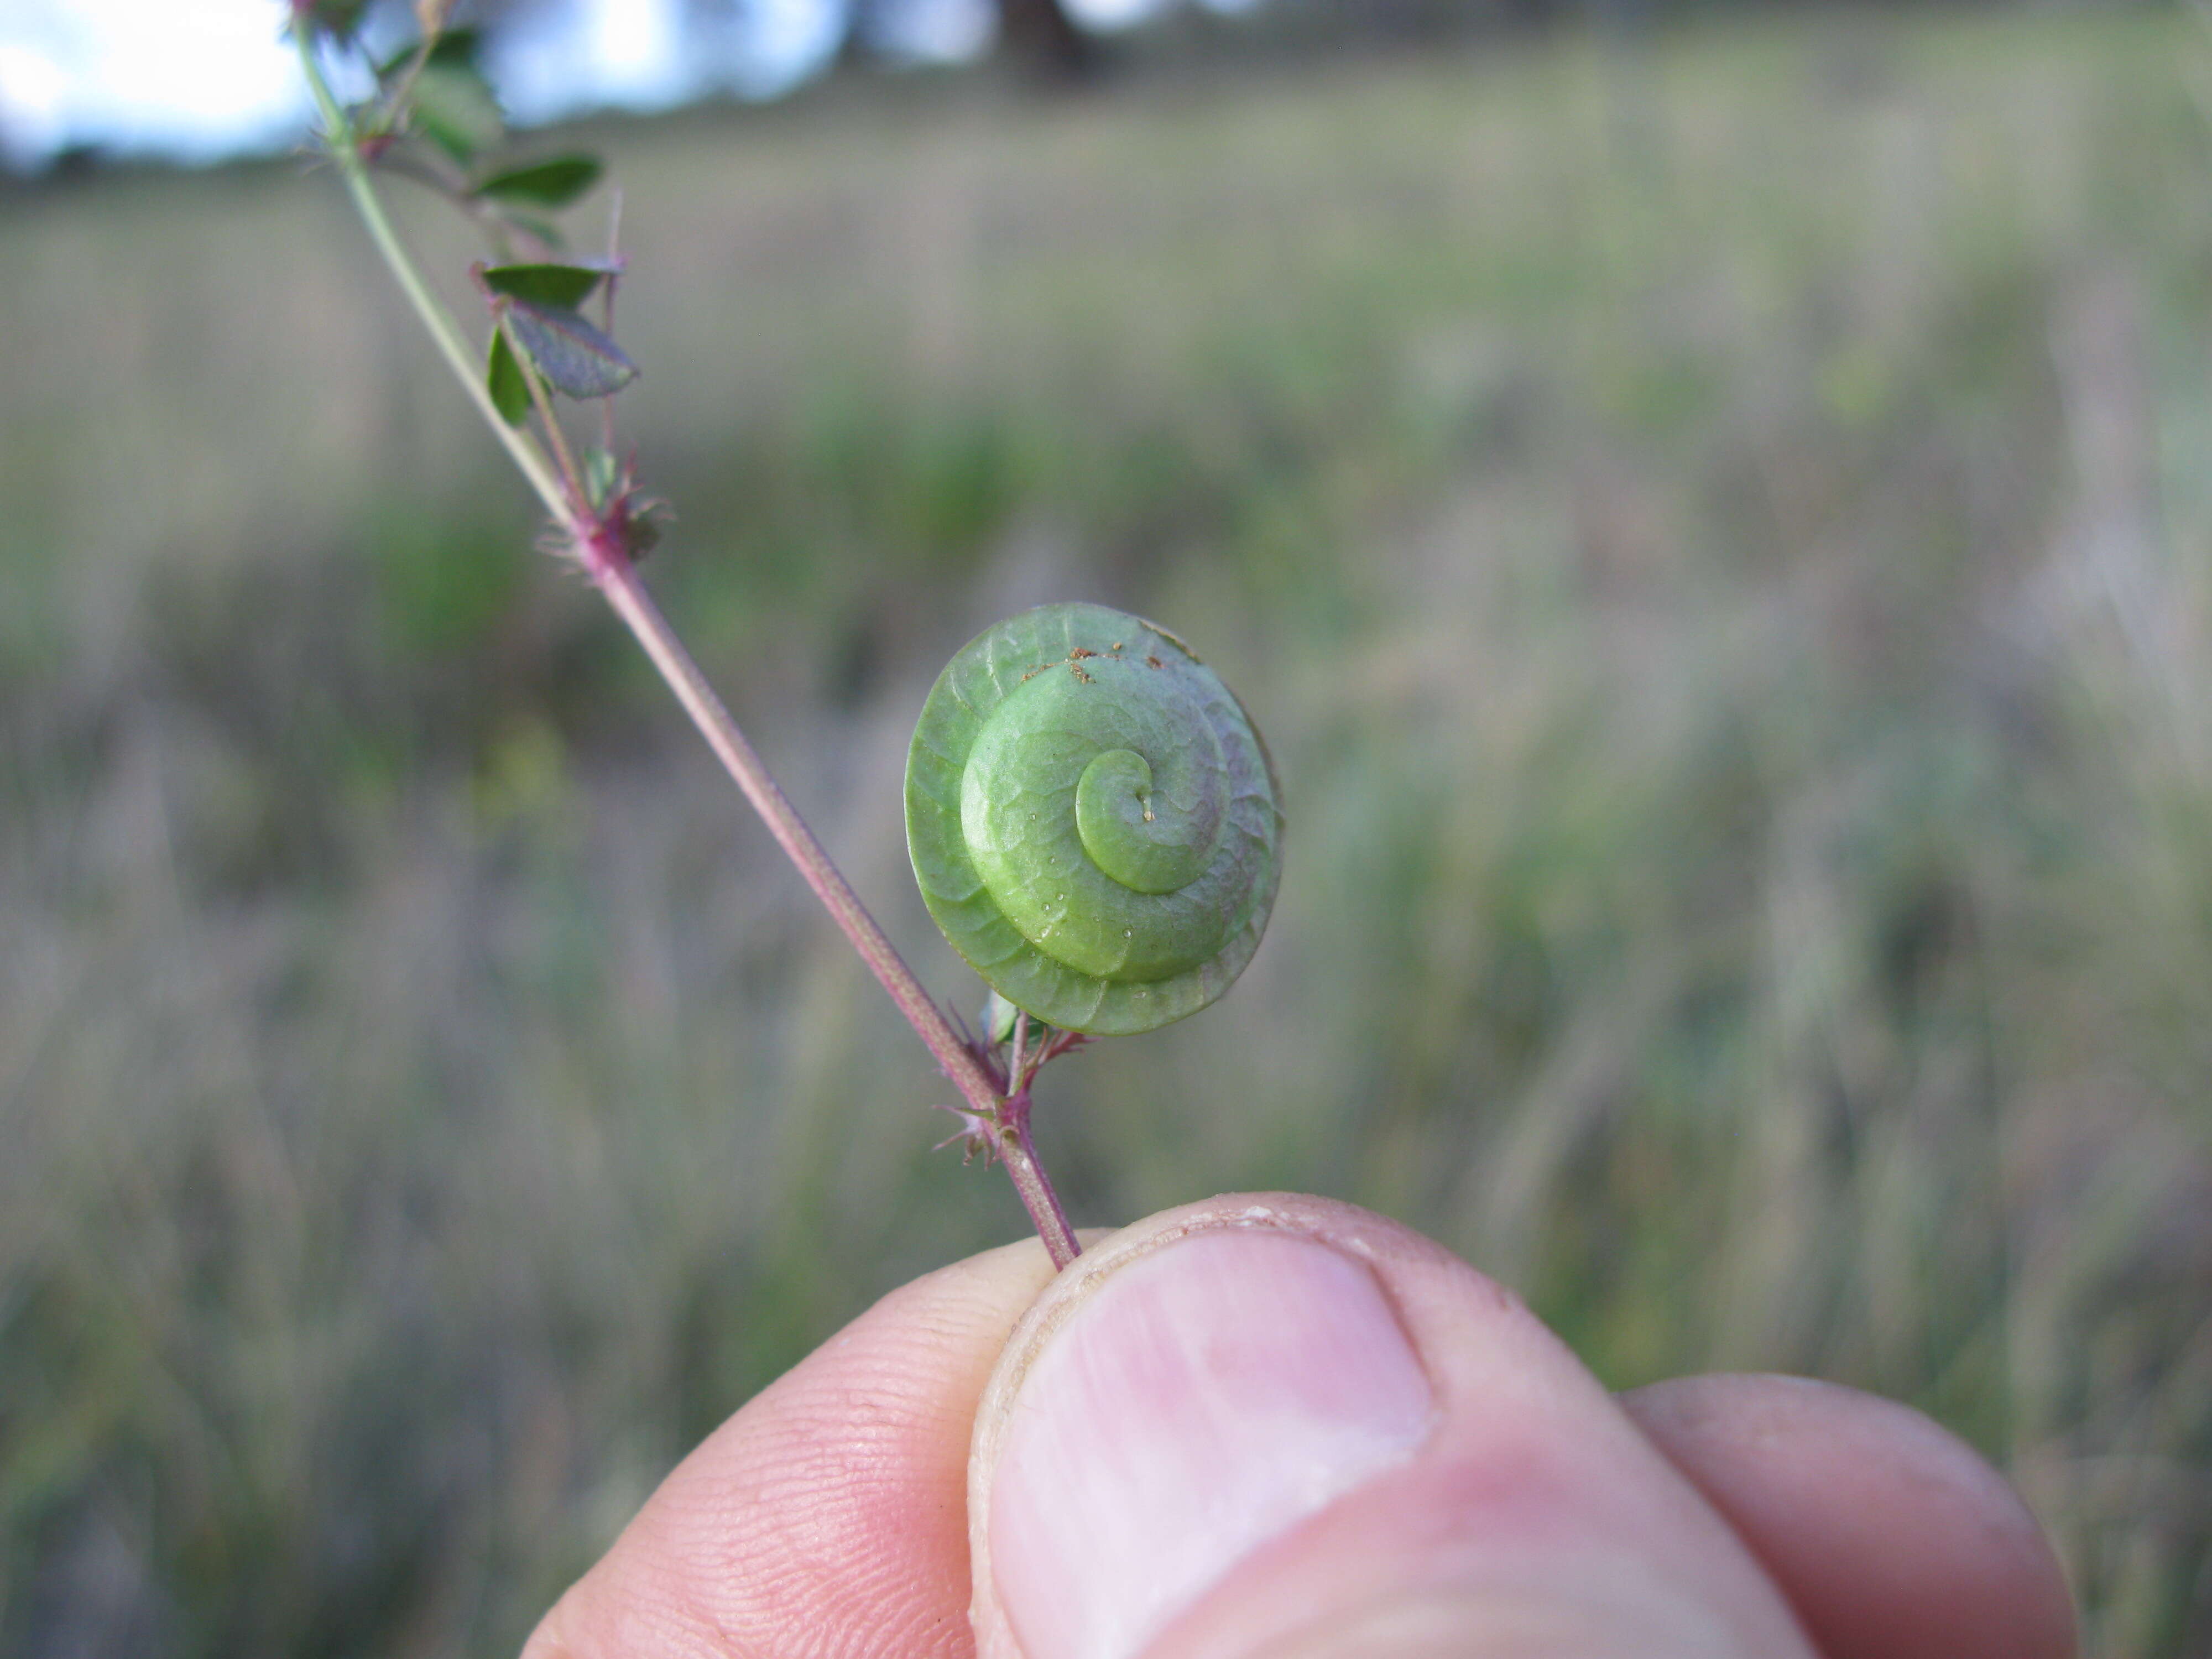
(1279, 1425)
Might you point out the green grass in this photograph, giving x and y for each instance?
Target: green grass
(1718, 541)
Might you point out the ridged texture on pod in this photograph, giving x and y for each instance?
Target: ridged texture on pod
(1093, 820)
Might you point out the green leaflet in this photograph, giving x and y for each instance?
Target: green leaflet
(503, 378)
(1093, 820)
(550, 184)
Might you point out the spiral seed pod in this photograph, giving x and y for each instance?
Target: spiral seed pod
(1093, 819)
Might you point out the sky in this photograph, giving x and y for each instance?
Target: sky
(198, 80)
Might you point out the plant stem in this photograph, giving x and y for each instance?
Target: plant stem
(1018, 1153)
(443, 333)
(1018, 1080)
(615, 574)
(617, 577)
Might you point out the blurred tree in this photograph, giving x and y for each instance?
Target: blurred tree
(1041, 37)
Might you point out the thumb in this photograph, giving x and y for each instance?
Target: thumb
(1283, 1426)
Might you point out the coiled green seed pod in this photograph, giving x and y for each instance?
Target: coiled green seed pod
(1093, 819)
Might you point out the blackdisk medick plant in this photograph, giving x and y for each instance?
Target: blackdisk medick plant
(1092, 817)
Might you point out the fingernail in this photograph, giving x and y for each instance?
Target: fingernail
(1206, 1398)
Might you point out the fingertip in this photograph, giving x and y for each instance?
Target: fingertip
(1891, 1536)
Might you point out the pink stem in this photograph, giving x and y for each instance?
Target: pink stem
(1019, 1152)
(617, 577)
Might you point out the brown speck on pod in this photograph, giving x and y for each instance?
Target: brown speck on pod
(1117, 645)
(1080, 652)
(1154, 662)
(1076, 669)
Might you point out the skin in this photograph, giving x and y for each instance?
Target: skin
(831, 1515)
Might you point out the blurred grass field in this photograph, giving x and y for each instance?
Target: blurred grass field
(1718, 535)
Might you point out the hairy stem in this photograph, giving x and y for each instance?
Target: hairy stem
(617, 577)
(1018, 1153)
(613, 572)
